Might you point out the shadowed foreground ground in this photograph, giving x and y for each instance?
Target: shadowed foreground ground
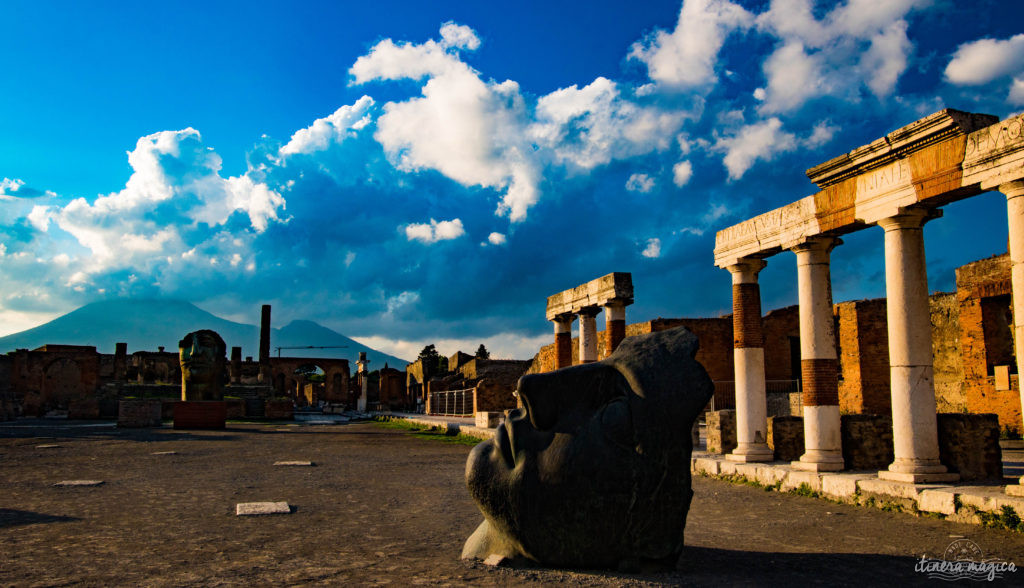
(381, 506)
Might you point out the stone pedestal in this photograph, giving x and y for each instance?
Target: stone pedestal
(200, 414)
(748, 353)
(915, 434)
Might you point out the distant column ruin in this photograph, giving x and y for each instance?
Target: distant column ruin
(613, 292)
(264, 376)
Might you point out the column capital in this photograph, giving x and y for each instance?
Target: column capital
(565, 318)
(909, 218)
(818, 244)
(746, 269)
(1012, 189)
(589, 311)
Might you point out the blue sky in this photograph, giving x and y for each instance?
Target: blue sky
(410, 173)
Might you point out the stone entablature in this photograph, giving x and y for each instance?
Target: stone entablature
(614, 288)
(947, 156)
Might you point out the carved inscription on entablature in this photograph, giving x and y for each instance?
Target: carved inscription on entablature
(768, 230)
(995, 138)
(884, 179)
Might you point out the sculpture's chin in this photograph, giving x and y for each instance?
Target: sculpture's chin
(486, 541)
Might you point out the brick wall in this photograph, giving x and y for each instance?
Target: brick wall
(862, 340)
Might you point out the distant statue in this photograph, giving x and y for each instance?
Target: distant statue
(202, 357)
(594, 471)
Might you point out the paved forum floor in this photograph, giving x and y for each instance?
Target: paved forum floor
(380, 506)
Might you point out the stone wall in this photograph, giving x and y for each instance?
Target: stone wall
(490, 396)
(139, 413)
(862, 341)
(867, 441)
(786, 437)
(969, 445)
(781, 329)
(986, 339)
(721, 431)
(782, 404)
(946, 353)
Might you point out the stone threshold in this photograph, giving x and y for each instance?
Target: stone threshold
(964, 503)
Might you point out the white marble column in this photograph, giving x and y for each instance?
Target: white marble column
(588, 334)
(914, 429)
(748, 355)
(818, 361)
(1014, 192)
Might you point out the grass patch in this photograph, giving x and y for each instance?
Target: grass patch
(1007, 518)
(804, 489)
(425, 432)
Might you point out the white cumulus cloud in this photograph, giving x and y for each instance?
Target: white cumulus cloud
(686, 57)
(681, 173)
(435, 231)
(642, 183)
(982, 61)
(652, 249)
(496, 239)
(334, 128)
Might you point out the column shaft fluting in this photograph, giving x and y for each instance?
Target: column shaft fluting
(588, 335)
(614, 327)
(818, 362)
(914, 428)
(748, 354)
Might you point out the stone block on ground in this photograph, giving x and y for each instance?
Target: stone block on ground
(261, 508)
(721, 431)
(488, 419)
(969, 445)
(867, 441)
(295, 463)
(786, 437)
(200, 414)
(69, 483)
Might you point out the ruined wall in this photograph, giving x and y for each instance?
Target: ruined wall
(8, 407)
(983, 289)
(781, 329)
(946, 353)
(490, 396)
(862, 339)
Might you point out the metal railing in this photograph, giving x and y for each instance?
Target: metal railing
(452, 403)
(726, 389)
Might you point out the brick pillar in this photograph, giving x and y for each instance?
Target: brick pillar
(236, 365)
(614, 327)
(265, 344)
(748, 353)
(818, 363)
(914, 430)
(563, 340)
(364, 381)
(588, 334)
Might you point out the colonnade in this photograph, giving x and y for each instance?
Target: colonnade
(614, 333)
(898, 185)
(612, 292)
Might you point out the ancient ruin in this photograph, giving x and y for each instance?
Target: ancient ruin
(594, 470)
(613, 292)
(898, 183)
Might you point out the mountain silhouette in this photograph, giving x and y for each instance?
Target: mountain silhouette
(146, 325)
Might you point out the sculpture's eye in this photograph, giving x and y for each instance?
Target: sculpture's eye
(617, 422)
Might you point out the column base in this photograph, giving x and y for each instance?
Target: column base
(916, 471)
(751, 452)
(820, 461)
(1015, 489)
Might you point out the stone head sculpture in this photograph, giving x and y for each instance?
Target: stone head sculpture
(594, 470)
(201, 354)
